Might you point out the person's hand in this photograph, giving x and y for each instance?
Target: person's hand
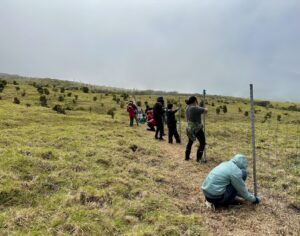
(257, 201)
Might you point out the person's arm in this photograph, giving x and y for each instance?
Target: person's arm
(175, 111)
(239, 184)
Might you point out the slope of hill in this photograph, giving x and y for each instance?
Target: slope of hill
(85, 172)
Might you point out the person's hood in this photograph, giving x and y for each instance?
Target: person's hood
(240, 160)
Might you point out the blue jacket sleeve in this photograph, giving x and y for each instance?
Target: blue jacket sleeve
(239, 184)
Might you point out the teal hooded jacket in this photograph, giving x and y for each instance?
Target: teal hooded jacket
(228, 172)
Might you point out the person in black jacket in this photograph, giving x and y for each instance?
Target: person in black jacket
(158, 113)
(172, 124)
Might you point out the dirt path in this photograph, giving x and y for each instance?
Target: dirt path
(182, 184)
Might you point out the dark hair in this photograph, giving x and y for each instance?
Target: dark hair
(190, 100)
(161, 100)
(170, 106)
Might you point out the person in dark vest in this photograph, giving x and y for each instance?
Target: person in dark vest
(158, 113)
(172, 124)
(194, 128)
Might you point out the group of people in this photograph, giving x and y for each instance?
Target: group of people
(225, 181)
(156, 118)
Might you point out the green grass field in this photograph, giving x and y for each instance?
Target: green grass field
(86, 173)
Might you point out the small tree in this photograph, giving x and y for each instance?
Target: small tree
(40, 90)
(218, 110)
(61, 98)
(23, 94)
(125, 96)
(43, 101)
(3, 83)
(62, 90)
(15, 83)
(76, 97)
(224, 109)
(85, 89)
(17, 88)
(246, 113)
(69, 94)
(138, 103)
(59, 109)
(240, 110)
(16, 101)
(95, 99)
(46, 91)
(279, 117)
(111, 112)
(212, 104)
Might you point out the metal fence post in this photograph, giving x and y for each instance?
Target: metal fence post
(179, 118)
(204, 94)
(253, 140)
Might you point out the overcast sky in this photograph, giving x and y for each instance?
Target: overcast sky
(183, 45)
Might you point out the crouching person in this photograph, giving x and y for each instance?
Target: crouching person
(226, 181)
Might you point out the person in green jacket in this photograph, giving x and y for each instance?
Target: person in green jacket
(226, 181)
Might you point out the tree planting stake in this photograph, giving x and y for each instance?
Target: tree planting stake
(253, 140)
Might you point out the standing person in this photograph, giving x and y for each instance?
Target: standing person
(147, 109)
(226, 181)
(158, 113)
(131, 112)
(136, 112)
(194, 128)
(172, 124)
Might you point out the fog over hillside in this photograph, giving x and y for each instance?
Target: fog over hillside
(162, 45)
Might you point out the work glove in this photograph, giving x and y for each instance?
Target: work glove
(257, 200)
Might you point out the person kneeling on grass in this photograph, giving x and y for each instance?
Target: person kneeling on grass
(226, 181)
(150, 121)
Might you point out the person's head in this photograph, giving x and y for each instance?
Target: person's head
(240, 160)
(161, 100)
(170, 106)
(192, 100)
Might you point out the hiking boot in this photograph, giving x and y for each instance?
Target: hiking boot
(210, 205)
(202, 160)
(187, 154)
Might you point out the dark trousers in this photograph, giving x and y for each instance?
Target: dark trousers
(173, 132)
(201, 138)
(229, 195)
(151, 127)
(159, 127)
(131, 122)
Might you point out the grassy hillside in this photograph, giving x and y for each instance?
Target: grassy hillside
(86, 172)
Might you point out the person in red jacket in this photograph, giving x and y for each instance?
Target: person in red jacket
(150, 120)
(131, 112)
